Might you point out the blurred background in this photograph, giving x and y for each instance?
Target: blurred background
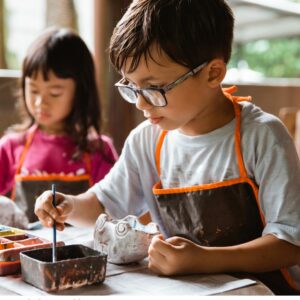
(265, 61)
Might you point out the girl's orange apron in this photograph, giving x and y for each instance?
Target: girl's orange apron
(28, 187)
(219, 214)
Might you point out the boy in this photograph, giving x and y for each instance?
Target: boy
(228, 192)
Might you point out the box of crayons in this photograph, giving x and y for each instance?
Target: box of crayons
(12, 242)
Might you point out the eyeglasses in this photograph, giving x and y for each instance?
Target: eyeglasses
(152, 95)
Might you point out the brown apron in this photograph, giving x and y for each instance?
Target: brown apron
(219, 214)
(28, 187)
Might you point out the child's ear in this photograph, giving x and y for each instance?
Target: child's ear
(216, 70)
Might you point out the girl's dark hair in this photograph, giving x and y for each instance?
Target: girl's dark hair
(190, 32)
(65, 53)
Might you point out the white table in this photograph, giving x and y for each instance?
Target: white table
(135, 279)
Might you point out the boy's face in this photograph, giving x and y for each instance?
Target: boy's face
(189, 105)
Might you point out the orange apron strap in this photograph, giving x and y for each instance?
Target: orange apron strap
(158, 150)
(237, 110)
(32, 130)
(255, 190)
(228, 93)
(26, 147)
(238, 146)
(88, 164)
(291, 282)
(29, 139)
(230, 90)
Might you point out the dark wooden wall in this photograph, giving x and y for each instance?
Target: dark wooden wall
(119, 117)
(8, 96)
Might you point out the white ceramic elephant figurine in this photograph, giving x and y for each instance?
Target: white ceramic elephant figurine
(126, 240)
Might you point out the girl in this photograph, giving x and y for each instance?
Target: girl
(59, 140)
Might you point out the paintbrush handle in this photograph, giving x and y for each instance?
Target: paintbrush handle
(54, 254)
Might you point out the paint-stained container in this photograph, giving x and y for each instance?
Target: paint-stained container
(76, 266)
(12, 242)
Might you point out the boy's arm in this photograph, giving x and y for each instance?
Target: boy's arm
(264, 254)
(86, 209)
(180, 256)
(81, 210)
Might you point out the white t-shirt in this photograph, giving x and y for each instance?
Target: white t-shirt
(269, 155)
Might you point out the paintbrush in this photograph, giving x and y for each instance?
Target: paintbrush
(54, 257)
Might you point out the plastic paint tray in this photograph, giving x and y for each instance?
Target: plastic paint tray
(76, 266)
(6, 230)
(12, 242)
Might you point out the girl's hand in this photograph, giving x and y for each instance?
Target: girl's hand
(175, 255)
(47, 213)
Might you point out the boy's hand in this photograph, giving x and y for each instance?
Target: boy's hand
(175, 255)
(47, 213)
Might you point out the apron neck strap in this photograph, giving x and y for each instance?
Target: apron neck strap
(237, 135)
(158, 150)
(88, 165)
(29, 138)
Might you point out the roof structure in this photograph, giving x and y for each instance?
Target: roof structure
(265, 19)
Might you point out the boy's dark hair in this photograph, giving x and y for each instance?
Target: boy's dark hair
(65, 53)
(190, 32)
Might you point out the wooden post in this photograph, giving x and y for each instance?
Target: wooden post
(61, 13)
(3, 64)
(297, 133)
(119, 117)
(288, 117)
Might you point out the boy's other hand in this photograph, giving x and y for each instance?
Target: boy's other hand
(174, 256)
(47, 213)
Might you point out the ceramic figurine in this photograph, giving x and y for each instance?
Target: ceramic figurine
(11, 214)
(125, 241)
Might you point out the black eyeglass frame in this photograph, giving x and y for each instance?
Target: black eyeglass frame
(162, 90)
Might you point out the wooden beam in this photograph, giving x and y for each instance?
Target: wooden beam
(280, 6)
(119, 117)
(278, 28)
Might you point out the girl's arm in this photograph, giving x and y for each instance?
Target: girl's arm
(6, 166)
(180, 256)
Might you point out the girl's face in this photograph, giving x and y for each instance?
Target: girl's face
(49, 102)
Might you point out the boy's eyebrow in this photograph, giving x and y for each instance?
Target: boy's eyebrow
(148, 78)
(144, 79)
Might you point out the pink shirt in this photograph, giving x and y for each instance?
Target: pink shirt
(50, 154)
